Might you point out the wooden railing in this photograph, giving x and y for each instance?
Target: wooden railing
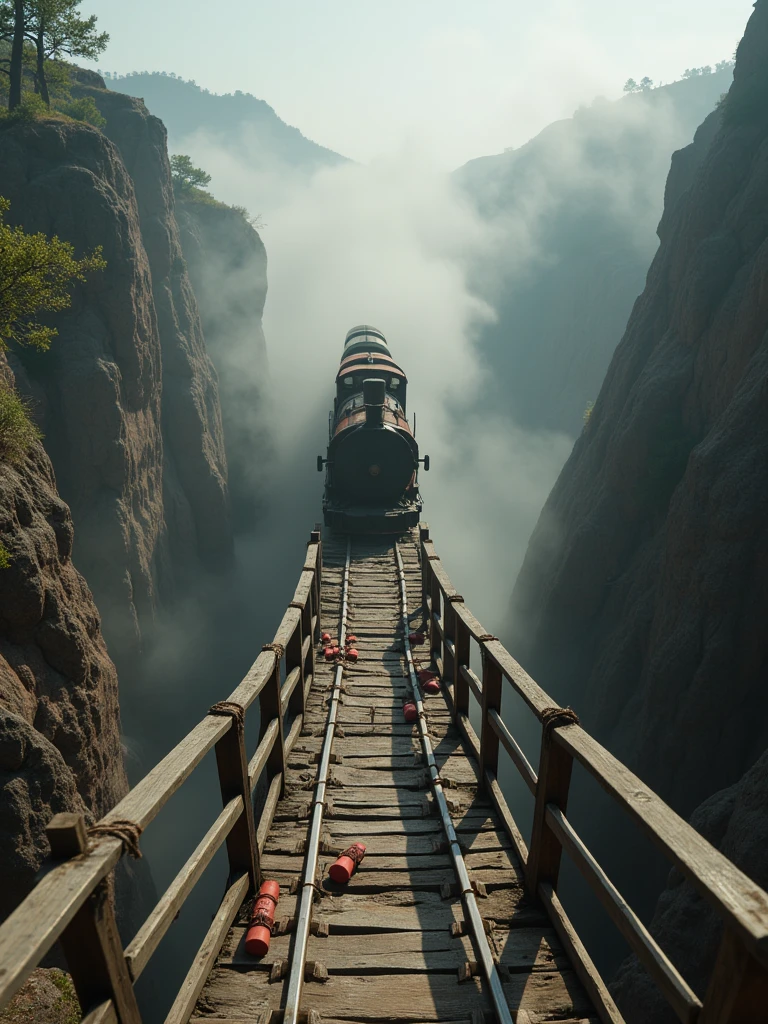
(71, 902)
(738, 987)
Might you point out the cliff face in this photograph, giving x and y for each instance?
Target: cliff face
(644, 593)
(644, 587)
(574, 212)
(127, 398)
(59, 719)
(227, 265)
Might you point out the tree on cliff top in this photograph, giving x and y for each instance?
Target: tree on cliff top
(55, 29)
(187, 179)
(36, 274)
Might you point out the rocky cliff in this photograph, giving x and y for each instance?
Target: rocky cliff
(127, 398)
(59, 718)
(227, 265)
(644, 592)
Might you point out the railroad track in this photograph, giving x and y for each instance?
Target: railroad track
(434, 924)
(451, 917)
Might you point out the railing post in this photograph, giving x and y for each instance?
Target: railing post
(269, 709)
(232, 764)
(489, 741)
(308, 669)
(555, 766)
(461, 657)
(91, 941)
(294, 659)
(738, 987)
(449, 641)
(425, 567)
(435, 595)
(316, 538)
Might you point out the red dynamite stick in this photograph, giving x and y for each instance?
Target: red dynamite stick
(416, 638)
(424, 675)
(328, 653)
(336, 651)
(262, 919)
(432, 686)
(341, 870)
(351, 639)
(325, 638)
(352, 653)
(410, 711)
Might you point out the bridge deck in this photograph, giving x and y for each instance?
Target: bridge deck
(390, 953)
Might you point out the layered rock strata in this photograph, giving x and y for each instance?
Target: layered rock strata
(59, 717)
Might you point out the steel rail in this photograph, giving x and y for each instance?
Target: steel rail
(480, 941)
(306, 897)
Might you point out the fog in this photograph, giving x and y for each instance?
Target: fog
(393, 244)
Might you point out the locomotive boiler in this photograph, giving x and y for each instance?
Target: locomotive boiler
(372, 462)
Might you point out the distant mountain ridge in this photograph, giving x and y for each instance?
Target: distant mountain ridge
(575, 211)
(235, 120)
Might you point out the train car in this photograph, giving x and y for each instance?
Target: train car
(372, 461)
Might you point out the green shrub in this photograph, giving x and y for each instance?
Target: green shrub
(84, 109)
(588, 413)
(31, 108)
(17, 431)
(5, 557)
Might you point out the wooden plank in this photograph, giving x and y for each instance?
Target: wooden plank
(554, 780)
(265, 822)
(585, 969)
(407, 952)
(512, 747)
(497, 858)
(198, 973)
(104, 1013)
(371, 880)
(368, 997)
(95, 959)
(408, 827)
(259, 760)
(509, 823)
(665, 976)
(28, 933)
(376, 798)
(738, 988)
(66, 835)
(148, 937)
(285, 842)
(490, 699)
(234, 782)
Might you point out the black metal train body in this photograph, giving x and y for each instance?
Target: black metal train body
(371, 482)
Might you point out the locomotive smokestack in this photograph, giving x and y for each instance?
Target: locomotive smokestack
(374, 391)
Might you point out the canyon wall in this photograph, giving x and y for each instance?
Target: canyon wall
(59, 718)
(644, 592)
(127, 398)
(227, 265)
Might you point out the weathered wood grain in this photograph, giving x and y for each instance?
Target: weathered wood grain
(404, 952)
(366, 997)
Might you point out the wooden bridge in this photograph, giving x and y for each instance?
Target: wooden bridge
(451, 916)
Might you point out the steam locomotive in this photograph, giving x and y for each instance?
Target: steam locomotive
(372, 463)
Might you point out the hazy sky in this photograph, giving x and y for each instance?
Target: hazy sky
(457, 79)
